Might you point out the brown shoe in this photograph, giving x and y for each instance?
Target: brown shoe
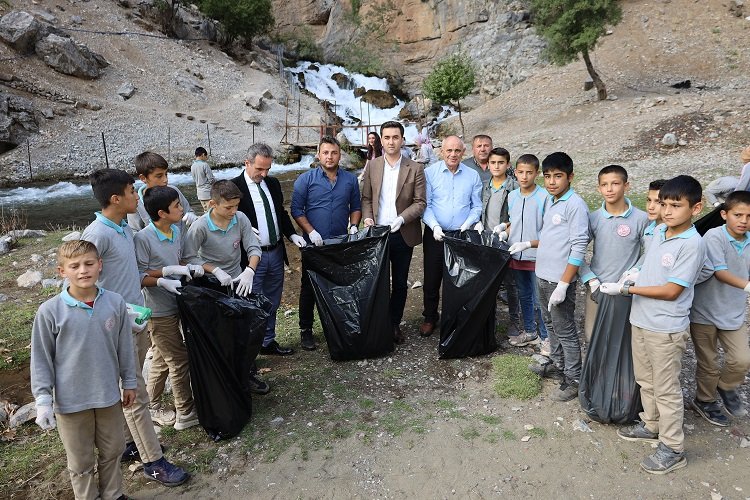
(426, 329)
(398, 335)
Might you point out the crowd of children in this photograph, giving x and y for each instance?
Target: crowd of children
(682, 286)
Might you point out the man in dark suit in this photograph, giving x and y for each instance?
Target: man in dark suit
(263, 203)
(393, 194)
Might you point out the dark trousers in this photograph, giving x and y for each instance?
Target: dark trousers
(434, 253)
(400, 256)
(269, 280)
(306, 302)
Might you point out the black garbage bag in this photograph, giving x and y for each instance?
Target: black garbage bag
(351, 278)
(607, 390)
(223, 336)
(475, 265)
(709, 221)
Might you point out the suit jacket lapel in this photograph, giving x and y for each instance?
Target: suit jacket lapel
(376, 176)
(403, 172)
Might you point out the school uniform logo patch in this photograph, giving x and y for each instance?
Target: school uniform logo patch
(557, 219)
(109, 324)
(667, 260)
(236, 244)
(623, 230)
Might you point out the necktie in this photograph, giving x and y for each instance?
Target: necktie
(272, 239)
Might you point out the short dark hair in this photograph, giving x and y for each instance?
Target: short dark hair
(501, 152)
(200, 151)
(392, 124)
(158, 198)
(108, 182)
(225, 190)
(656, 185)
(736, 198)
(329, 139)
(682, 187)
(528, 159)
(480, 136)
(558, 161)
(147, 162)
(614, 169)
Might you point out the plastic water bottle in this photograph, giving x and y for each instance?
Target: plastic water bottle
(144, 313)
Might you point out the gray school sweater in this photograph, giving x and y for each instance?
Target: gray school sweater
(141, 219)
(120, 269)
(153, 251)
(80, 354)
(203, 178)
(495, 202)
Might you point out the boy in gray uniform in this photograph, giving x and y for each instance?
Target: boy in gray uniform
(562, 247)
(203, 177)
(718, 314)
(113, 238)
(84, 332)
(616, 230)
(158, 250)
(662, 295)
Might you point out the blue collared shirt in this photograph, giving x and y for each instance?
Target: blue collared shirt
(452, 198)
(73, 302)
(327, 206)
(214, 227)
(110, 223)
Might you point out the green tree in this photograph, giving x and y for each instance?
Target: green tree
(573, 27)
(245, 18)
(451, 80)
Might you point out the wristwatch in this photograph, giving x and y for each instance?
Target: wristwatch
(625, 290)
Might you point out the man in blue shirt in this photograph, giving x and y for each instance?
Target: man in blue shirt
(454, 202)
(325, 203)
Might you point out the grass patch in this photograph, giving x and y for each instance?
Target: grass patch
(31, 452)
(469, 433)
(513, 379)
(538, 432)
(17, 320)
(366, 404)
(490, 419)
(508, 435)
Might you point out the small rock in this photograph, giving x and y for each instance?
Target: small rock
(254, 101)
(417, 284)
(75, 235)
(288, 312)
(126, 90)
(277, 421)
(76, 20)
(36, 258)
(51, 283)
(27, 233)
(682, 142)
(24, 414)
(715, 495)
(581, 425)
(669, 140)
(460, 374)
(267, 94)
(528, 427)
(29, 278)
(3, 297)
(515, 408)
(4, 247)
(525, 439)
(538, 358)
(745, 443)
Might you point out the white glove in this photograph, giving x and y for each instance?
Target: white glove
(176, 271)
(169, 285)
(558, 295)
(594, 285)
(464, 226)
(519, 247)
(397, 223)
(610, 288)
(45, 417)
(368, 222)
(136, 327)
(437, 233)
(479, 226)
(630, 275)
(503, 236)
(316, 238)
(245, 281)
(747, 287)
(257, 232)
(298, 240)
(500, 228)
(189, 218)
(222, 276)
(196, 270)
(353, 229)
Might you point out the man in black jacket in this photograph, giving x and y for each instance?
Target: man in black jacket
(263, 203)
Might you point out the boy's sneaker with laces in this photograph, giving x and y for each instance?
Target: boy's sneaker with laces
(711, 412)
(183, 422)
(732, 402)
(637, 432)
(567, 392)
(257, 386)
(663, 460)
(131, 453)
(523, 339)
(549, 370)
(544, 348)
(162, 415)
(166, 473)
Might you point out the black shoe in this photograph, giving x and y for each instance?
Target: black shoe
(732, 402)
(257, 386)
(398, 335)
(308, 341)
(165, 472)
(711, 412)
(550, 370)
(131, 453)
(273, 348)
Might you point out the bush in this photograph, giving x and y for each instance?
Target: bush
(452, 79)
(240, 18)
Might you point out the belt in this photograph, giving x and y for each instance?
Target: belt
(269, 248)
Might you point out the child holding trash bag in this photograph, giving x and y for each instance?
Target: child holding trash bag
(662, 295)
(616, 230)
(718, 314)
(84, 331)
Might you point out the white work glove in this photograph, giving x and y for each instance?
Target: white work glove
(558, 295)
(594, 285)
(316, 238)
(257, 232)
(500, 228)
(298, 240)
(169, 285)
(397, 223)
(176, 271)
(610, 288)
(222, 276)
(630, 275)
(438, 233)
(464, 226)
(519, 247)
(45, 417)
(747, 287)
(189, 218)
(353, 229)
(368, 222)
(136, 327)
(245, 281)
(479, 226)
(196, 270)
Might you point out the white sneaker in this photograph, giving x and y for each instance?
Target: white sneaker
(162, 416)
(544, 348)
(186, 421)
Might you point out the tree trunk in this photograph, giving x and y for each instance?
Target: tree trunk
(460, 119)
(601, 89)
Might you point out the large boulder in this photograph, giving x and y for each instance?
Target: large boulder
(17, 118)
(188, 83)
(69, 57)
(380, 99)
(21, 31)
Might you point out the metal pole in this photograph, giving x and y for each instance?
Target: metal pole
(169, 143)
(286, 119)
(299, 111)
(106, 158)
(208, 133)
(28, 150)
(254, 133)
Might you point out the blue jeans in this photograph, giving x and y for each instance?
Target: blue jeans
(528, 296)
(561, 326)
(269, 281)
